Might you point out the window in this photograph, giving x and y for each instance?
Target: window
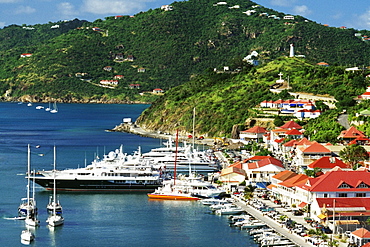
(362, 185)
(344, 186)
(342, 195)
(360, 194)
(325, 195)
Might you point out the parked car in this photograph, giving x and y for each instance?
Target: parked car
(297, 212)
(326, 230)
(308, 219)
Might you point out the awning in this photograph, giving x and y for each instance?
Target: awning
(261, 185)
(302, 204)
(347, 222)
(321, 216)
(271, 186)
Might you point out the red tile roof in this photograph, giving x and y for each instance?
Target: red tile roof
(256, 130)
(291, 125)
(304, 141)
(331, 180)
(293, 132)
(265, 162)
(290, 143)
(328, 163)
(297, 180)
(362, 233)
(341, 203)
(352, 132)
(316, 148)
(284, 175)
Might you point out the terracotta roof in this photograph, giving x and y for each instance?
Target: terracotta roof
(304, 141)
(297, 180)
(366, 245)
(284, 175)
(316, 148)
(293, 132)
(328, 163)
(265, 162)
(331, 180)
(231, 170)
(352, 132)
(291, 125)
(358, 204)
(256, 158)
(255, 129)
(290, 143)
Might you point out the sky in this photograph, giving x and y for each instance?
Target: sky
(336, 13)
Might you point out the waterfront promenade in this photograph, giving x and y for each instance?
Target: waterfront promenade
(279, 228)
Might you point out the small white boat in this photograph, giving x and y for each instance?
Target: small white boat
(215, 201)
(39, 107)
(29, 104)
(55, 109)
(27, 236)
(229, 209)
(48, 108)
(55, 219)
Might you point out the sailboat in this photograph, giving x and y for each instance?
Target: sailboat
(48, 108)
(55, 109)
(28, 205)
(171, 191)
(27, 236)
(55, 219)
(31, 219)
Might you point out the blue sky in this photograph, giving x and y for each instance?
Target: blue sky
(336, 13)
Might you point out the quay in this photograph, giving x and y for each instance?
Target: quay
(299, 241)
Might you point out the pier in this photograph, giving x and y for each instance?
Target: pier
(299, 241)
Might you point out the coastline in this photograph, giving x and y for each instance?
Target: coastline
(137, 130)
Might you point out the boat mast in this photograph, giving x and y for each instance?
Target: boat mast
(54, 187)
(193, 127)
(28, 175)
(177, 144)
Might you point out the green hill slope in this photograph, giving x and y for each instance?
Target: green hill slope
(225, 100)
(171, 46)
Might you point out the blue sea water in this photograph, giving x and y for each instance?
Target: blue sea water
(93, 219)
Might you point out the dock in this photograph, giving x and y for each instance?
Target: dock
(299, 241)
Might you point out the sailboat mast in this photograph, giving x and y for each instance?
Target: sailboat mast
(177, 144)
(28, 175)
(193, 127)
(54, 187)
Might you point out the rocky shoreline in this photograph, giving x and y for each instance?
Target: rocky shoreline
(137, 130)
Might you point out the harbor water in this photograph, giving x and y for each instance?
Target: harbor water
(93, 219)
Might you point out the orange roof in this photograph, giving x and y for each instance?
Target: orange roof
(352, 132)
(290, 143)
(297, 180)
(304, 141)
(265, 162)
(366, 245)
(256, 130)
(291, 125)
(293, 132)
(284, 175)
(316, 148)
(328, 163)
(271, 186)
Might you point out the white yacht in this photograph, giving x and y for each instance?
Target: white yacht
(114, 172)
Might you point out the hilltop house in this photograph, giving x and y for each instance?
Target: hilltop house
(158, 90)
(366, 95)
(26, 55)
(255, 133)
(351, 134)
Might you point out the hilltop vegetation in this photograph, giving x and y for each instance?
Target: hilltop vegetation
(171, 46)
(224, 101)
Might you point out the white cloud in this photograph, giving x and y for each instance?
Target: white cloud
(67, 10)
(113, 6)
(2, 24)
(363, 21)
(25, 10)
(302, 10)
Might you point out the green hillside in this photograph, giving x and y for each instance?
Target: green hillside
(171, 46)
(225, 101)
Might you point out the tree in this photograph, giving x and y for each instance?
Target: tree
(353, 154)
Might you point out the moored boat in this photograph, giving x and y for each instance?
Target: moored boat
(116, 172)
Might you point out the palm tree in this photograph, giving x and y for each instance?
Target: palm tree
(353, 154)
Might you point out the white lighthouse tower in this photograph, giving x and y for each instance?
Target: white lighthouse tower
(291, 52)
